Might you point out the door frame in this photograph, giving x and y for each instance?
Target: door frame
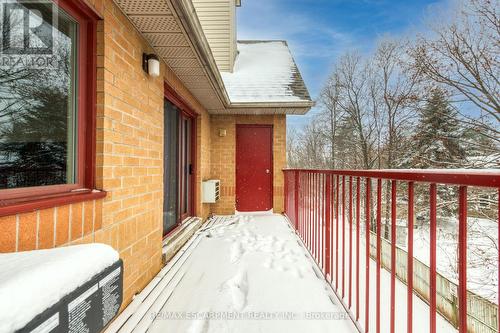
(191, 170)
(173, 97)
(270, 126)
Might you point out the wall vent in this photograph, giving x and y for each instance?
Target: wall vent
(211, 191)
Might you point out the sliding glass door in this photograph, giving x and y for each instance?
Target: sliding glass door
(178, 167)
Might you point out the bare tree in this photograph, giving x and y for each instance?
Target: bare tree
(464, 55)
(370, 103)
(332, 114)
(307, 149)
(356, 100)
(397, 88)
(399, 94)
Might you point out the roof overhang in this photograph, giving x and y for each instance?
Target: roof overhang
(295, 108)
(173, 30)
(262, 110)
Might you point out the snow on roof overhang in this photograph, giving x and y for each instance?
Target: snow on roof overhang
(265, 72)
(175, 27)
(293, 98)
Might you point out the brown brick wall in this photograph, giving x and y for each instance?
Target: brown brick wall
(129, 162)
(129, 150)
(223, 157)
(48, 228)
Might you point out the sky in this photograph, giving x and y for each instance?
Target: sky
(318, 31)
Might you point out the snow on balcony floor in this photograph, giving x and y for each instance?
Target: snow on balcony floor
(246, 273)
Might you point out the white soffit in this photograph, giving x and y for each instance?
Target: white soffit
(262, 110)
(156, 21)
(161, 26)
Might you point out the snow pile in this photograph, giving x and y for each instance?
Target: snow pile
(32, 281)
(421, 310)
(249, 274)
(482, 256)
(263, 72)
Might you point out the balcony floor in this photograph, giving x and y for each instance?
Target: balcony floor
(244, 273)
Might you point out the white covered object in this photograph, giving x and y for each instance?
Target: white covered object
(32, 281)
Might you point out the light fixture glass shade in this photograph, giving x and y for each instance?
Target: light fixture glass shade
(153, 67)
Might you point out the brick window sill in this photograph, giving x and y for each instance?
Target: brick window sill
(17, 206)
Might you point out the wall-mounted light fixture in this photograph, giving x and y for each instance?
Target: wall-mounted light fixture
(151, 64)
(222, 132)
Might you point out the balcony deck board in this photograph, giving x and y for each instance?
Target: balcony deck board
(245, 273)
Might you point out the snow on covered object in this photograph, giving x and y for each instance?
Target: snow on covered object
(264, 71)
(32, 281)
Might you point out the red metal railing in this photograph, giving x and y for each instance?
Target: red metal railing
(322, 204)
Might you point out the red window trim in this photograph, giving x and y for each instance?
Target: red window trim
(27, 199)
(172, 96)
(178, 101)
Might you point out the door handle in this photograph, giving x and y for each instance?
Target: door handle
(268, 171)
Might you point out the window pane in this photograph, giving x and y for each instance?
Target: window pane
(185, 165)
(170, 171)
(38, 97)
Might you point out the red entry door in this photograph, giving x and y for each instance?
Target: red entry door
(254, 168)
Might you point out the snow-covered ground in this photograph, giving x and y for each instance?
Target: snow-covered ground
(250, 266)
(241, 274)
(252, 274)
(482, 253)
(421, 317)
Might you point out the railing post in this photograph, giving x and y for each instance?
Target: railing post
(327, 227)
(296, 197)
(433, 263)
(343, 237)
(462, 259)
(337, 232)
(317, 221)
(379, 251)
(350, 242)
(410, 258)
(308, 208)
(285, 194)
(393, 255)
(358, 192)
(367, 262)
